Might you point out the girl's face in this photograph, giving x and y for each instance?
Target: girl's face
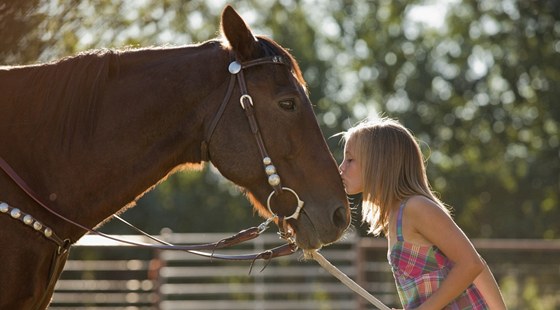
(350, 169)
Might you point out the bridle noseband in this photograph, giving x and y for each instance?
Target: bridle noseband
(236, 70)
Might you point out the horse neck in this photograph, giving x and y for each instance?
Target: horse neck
(149, 122)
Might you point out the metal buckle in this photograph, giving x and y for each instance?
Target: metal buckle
(246, 96)
(278, 59)
(264, 225)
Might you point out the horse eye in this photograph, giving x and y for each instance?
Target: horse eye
(288, 105)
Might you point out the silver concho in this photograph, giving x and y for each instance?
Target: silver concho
(28, 219)
(267, 161)
(270, 170)
(15, 213)
(234, 67)
(274, 180)
(4, 207)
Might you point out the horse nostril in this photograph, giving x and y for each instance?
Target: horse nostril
(340, 218)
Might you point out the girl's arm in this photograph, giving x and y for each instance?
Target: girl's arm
(427, 221)
(489, 289)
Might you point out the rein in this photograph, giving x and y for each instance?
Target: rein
(342, 277)
(63, 245)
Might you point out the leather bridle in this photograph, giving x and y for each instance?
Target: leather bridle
(236, 70)
(60, 255)
(246, 101)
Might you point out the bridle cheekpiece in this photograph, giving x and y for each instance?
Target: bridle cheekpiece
(236, 68)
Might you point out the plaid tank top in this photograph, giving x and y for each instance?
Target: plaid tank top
(419, 271)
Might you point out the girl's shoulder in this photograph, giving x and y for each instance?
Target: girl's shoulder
(419, 201)
(423, 209)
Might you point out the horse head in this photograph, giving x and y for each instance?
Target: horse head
(298, 156)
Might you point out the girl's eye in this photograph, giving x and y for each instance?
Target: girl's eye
(288, 105)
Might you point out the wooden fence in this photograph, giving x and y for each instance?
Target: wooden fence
(113, 276)
(123, 277)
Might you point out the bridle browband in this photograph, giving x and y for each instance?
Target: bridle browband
(246, 101)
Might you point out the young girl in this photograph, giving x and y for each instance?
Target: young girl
(434, 264)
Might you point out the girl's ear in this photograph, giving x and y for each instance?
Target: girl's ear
(238, 34)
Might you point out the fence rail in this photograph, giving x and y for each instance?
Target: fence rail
(102, 274)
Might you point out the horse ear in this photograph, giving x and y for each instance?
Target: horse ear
(238, 34)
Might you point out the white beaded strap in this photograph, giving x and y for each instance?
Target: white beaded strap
(31, 222)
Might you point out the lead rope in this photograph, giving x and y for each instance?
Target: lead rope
(345, 279)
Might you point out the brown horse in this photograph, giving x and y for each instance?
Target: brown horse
(91, 133)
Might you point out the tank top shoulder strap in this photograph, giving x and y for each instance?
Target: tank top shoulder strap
(399, 220)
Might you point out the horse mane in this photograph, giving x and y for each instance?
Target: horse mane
(67, 91)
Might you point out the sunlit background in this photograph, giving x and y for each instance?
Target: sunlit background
(476, 81)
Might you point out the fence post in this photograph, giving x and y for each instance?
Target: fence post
(154, 275)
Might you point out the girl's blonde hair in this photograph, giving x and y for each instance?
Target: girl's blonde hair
(392, 169)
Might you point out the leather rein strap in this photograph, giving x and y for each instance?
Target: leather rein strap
(242, 236)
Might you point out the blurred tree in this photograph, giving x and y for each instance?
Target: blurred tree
(500, 129)
(477, 89)
(18, 23)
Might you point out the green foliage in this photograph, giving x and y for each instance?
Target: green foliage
(19, 23)
(479, 91)
(191, 201)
